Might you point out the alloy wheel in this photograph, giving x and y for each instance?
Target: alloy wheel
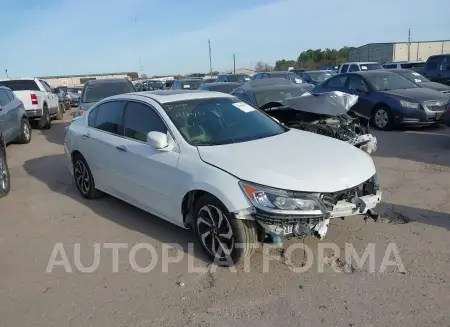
(82, 178)
(215, 231)
(381, 118)
(4, 177)
(26, 131)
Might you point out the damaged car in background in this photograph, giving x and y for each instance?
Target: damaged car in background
(217, 165)
(296, 107)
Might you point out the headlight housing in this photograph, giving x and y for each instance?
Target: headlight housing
(281, 201)
(410, 105)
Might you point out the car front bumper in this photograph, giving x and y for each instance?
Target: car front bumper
(420, 117)
(279, 226)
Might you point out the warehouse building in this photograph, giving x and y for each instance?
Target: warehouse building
(72, 80)
(399, 51)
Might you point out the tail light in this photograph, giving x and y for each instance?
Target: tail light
(33, 98)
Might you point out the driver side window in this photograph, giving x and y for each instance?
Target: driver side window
(355, 83)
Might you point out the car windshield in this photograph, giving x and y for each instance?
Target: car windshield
(384, 82)
(278, 95)
(97, 91)
(238, 78)
(319, 77)
(217, 121)
(413, 76)
(192, 84)
(373, 66)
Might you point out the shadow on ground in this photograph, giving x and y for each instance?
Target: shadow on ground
(400, 214)
(52, 170)
(428, 144)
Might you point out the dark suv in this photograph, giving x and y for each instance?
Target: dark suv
(437, 68)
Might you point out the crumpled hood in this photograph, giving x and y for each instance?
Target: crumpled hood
(295, 160)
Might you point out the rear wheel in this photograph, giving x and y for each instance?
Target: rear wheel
(84, 179)
(223, 238)
(25, 132)
(382, 118)
(45, 122)
(4, 176)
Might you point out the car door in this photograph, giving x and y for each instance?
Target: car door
(151, 174)
(6, 113)
(432, 68)
(356, 85)
(100, 146)
(443, 74)
(52, 99)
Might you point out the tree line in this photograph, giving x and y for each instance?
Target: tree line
(311, 59)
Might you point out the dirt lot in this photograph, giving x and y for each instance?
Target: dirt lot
(44, 208)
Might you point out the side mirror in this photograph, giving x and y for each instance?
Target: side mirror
(158, 140)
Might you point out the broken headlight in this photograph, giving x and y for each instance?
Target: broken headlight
(280, 201)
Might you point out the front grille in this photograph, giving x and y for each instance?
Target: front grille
(436, 106)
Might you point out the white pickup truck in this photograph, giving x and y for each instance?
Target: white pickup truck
(37, 97)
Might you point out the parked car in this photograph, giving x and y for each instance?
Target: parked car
(176, 156)
(259, 92)
(168, 84)
(437, 69)
(422, 81)
(151, 84)
(225, 87)
(294, 78)
(358, 67)
(236, 78)
(186, 84)
(4, 170)
(74, 94)
(96, 90)
(389, 99)
(14, 124)
(418, 66)
(40, 102)
(63, 98)
(316, 77)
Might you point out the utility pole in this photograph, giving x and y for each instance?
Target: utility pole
(409, 44)
(138, 48)
(234, 63)
(210, 62)
(6, 73)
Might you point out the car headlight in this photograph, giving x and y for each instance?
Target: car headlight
(410, 105)
(281, 201)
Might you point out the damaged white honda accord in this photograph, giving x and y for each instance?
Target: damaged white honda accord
(207, 161)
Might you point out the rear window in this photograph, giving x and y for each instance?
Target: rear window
(97, 91)
(191, 85)
(21, 85)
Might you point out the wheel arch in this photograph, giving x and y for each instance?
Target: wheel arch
(380, 104)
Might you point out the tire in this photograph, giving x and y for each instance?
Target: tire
(83, 178)
(59, 112)
(25, 132)
(382, 118)
(212, 231)
(5, 182)
(45, 122)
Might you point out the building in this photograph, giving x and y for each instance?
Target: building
(70, 80)
(399, 51)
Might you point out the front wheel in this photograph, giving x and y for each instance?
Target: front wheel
(4, 176)
(223, 238)
(45, 122)
(84, 179)
(60, 112)
(382, 118)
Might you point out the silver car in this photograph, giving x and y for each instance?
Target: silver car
(14, 124)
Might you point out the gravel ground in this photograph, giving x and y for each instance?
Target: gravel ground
(44, 209)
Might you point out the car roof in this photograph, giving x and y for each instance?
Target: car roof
(405, 62)
(223, 83)
(107, 80)
(398, 70)
(167, 96)
(372, 72)
(359, 62)
(190, 79)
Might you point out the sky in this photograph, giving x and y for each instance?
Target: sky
(63, 37)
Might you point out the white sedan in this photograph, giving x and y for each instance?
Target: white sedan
(207, 161)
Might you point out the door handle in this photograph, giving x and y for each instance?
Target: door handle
(121, 148)
(85, 136)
